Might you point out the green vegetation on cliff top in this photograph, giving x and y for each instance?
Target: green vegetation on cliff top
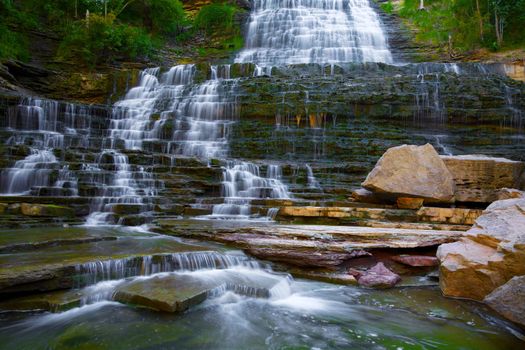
(95, 32)
(457, 26)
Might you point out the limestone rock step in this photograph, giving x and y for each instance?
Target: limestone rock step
(454, 216)
(178, 292)
(311, 245)
(55, 266)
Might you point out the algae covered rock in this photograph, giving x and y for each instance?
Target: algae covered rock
(412, 171)
(46, 210)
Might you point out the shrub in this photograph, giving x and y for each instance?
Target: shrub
(215, 17)
(100, 39)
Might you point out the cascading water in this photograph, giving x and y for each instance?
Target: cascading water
(40, 171)
(165, 112)
(285, 32)
(242, 183)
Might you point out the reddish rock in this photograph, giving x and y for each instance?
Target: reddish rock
(409, 203)
(416, 260)
(379, 276)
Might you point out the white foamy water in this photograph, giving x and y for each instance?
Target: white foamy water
(285, 32)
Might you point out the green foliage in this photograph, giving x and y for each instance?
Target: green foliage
(159, 16)
(215, 17)
(464, 24)
(100, 40)
(388, 7)
(12, 45)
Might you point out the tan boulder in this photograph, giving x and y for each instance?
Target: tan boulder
(479, 178)
(491, 253)
(509, 300)
(412, 171)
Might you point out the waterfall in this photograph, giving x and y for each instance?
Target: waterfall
(242, 183)
(283, 32)
(39, 173)
(312, 181)
(169, 110)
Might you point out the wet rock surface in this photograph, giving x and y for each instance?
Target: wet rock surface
(50, 261)
(310, 245)
(379, 276)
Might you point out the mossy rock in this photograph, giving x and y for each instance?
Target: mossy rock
(48, 210)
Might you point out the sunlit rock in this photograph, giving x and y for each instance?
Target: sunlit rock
(479, 178)
(490, 254)
(411, 171)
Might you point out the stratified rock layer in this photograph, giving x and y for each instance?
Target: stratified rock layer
(480, 178)
(412, 171)
(490, 254)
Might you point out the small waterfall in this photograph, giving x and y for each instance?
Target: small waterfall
(40, 173)
(242, 183)
(284, 32)
(428, 101)
(312, 181)
(116, 269)
(441, 146)
(32, 171)
(516, 114)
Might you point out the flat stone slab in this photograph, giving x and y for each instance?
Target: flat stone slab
(178, 292)
(52, 265)
(170, 294)
(54, 302)
(363, 237)
(313, 245)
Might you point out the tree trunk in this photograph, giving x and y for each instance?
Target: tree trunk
(480, 18)
(421, 4)
(499, 29)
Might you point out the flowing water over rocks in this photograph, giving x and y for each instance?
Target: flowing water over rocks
(284, 32)
(285, 133)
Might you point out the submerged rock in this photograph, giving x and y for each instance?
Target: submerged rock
(509, 300)
(378, 276)
(490, 254)
(411, 171)
(170, 294)
(178, 292)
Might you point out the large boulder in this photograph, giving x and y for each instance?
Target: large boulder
(479, 178)
(509, 300)
(412, 171)
(490, 254)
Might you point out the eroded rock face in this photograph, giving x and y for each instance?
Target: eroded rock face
(412, 171)
(479, 178)
(378, 276)
(490, 254)
(509, 300)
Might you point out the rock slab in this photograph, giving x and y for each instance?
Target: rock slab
(479, 178)
(412, 171)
